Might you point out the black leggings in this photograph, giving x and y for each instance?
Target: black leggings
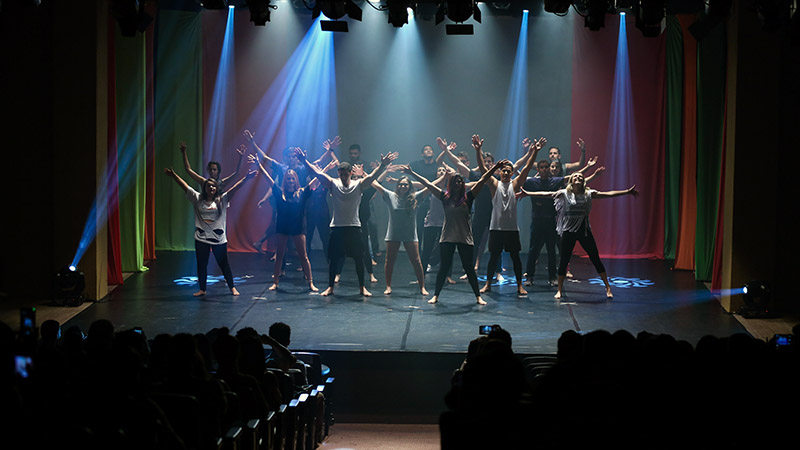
(430, 243)
(585, 237)
(220, 254)
(543, 233)
(447, 251)
(345, 241)
(494, 261)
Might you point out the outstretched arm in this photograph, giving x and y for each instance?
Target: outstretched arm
(526, 146)
(477, 144)
(447, 149)
(425, 182)
(329, 145)
(323, 177)
(171, 173)
(188, 167)
(597, 172)
(232, 190)
(609, 194)
(251, 140)
(523, 193)
(242, 151)
(385, 161)
(488, 175)
(533, 150)
(575, 165)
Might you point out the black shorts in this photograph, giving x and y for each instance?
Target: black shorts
(501, 240)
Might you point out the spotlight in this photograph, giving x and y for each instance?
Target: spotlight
(595, 17)
(336, 9)
(649, 15)
(259, 11)
(399, 11)
(716, 12)
(130, 16)
(68, 286)
(757, 297)
(458, 11)
(559, 7)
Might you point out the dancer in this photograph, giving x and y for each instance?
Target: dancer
(503, 229)
(543, 216)
(290, 203)
(402, 228)
(573, 205)
(555, 156)
(345, 225)
(456, 231)
(210, 213)
(214, 168)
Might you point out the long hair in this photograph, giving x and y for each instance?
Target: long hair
(571, 183)
(409, 200)
(289, 173)
(217, 197)
(455, 196)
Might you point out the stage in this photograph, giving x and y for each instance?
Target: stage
(648, 296)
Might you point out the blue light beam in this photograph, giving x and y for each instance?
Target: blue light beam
(515, 117)
(221, 113)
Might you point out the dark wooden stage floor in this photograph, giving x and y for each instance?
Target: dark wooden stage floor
(648, 296)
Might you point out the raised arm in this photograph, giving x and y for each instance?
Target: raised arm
(385, 161)
(248, 135)
(477, 144)
(575, 165)
(242, 151)
(171, 173)
(598, 171)
(323, 177)
(610, 194)
(425, 182)
(533, 150)
(188, 167)
(283, 354)
(232, 190)
(329, 145)
(447, 149)
(488, 175)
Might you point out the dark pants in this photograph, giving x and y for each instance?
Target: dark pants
(366, 231)
(480, 228)
(321, 223)
(543, 233)
(430, 253)
(508, 241)
(344, 242)
(422, 211)
(202, 251)
(585, 237)
(447, 251)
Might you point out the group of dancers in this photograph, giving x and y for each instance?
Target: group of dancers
(453, 203)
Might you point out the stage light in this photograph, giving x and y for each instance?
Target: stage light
(399, 11)
(130, 16)
(757, 297)
(458, 11)
(649, 15)
(68, 286)
(595, 17)
(336, 9)
(259, 11)
(558, 7)
(716, 11)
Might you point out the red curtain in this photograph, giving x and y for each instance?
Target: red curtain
(623, 227)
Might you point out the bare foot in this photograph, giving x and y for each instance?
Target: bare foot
(451, 281)
(486, 288)
(481, 301)
(462, 277)
(433, 299)
(558, 295)
(273, 287)
(569, 274)
(336, 278)
(311, 287)
(327, 292)
(372, 279)
(608, 293)
(365, 292)
(199, 293)
(423, 291)
(521, 291)
(374, 263)
(387, 291)
(234, 291)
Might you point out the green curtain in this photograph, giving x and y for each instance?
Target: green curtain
(674, 120)
(179, 108)
(131, 154)
(710, 125)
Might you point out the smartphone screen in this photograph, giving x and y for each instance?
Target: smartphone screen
(23, 365)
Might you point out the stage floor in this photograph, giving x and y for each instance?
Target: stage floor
(648, 296)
